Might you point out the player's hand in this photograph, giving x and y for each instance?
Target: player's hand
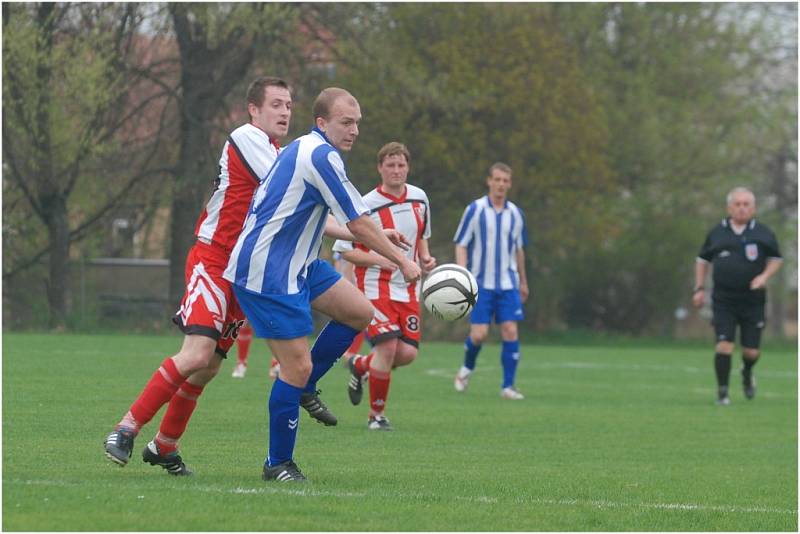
(759, 282)
(397, 238)
(524, 292)
(428, 264)
(411, 271)
(698, 298)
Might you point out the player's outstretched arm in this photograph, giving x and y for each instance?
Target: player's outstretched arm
(337, 231)
(363, 258)
(365, 231)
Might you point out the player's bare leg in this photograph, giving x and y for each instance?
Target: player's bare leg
(197, 353)
(345, 304)
(405, 354)
(294, 358)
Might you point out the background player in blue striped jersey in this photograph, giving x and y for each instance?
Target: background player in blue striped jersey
(490, 242)
(277, 274)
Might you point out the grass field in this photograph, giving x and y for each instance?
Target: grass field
(607, 439)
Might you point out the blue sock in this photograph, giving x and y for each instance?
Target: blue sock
(329, 347)
(510, 359)
(284, 416)
(470, 353)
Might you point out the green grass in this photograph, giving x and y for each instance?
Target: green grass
(607, 439)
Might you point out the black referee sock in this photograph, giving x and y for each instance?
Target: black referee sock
(722, 365)
(747, 365)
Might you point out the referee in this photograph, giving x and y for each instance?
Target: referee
(745, 255)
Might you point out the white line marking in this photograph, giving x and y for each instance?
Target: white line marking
(660, 506)
(599, 504)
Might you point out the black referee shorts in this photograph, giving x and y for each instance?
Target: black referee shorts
(748, 315)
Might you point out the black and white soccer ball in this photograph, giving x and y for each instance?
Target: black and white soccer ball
(450, 292)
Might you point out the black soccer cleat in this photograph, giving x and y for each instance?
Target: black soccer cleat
(283, 472)
(317, 409)
(355, 386)
(172, 462)
(749, 385)
(119, 446)
(722, 396)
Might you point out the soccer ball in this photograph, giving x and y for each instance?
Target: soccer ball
(450, 292)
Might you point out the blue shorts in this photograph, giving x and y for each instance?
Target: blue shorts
(287, 316)
(503, 304)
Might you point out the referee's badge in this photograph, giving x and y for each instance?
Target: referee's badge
(751, 251)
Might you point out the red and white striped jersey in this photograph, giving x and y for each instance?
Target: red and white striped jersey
(247, 156)
(410, 215)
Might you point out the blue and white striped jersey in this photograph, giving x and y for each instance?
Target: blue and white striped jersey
(492, 240)
(282, 233)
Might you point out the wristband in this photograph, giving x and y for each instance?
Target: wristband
(698, 288)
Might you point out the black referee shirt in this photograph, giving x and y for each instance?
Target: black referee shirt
(737, 259)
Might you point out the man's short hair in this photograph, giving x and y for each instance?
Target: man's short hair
(393, 149)
(500, 166)
(737, 190)
(325, 100)
(255, 93)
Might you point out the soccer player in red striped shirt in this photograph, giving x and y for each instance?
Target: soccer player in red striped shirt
(209, 315)
(395, 328)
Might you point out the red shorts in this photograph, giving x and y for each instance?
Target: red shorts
(395, 319)
(209, 307)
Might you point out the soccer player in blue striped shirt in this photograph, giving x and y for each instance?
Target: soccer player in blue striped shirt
(490, 242)
(278, 277)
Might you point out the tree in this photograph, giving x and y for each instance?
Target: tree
(470, 84)
(678, 82)
(67, 110)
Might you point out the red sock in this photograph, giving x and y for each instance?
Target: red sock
(356, 345)
(158, 391)
(243, 343)
(378, 390)
(362, 363)
(179, 411)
